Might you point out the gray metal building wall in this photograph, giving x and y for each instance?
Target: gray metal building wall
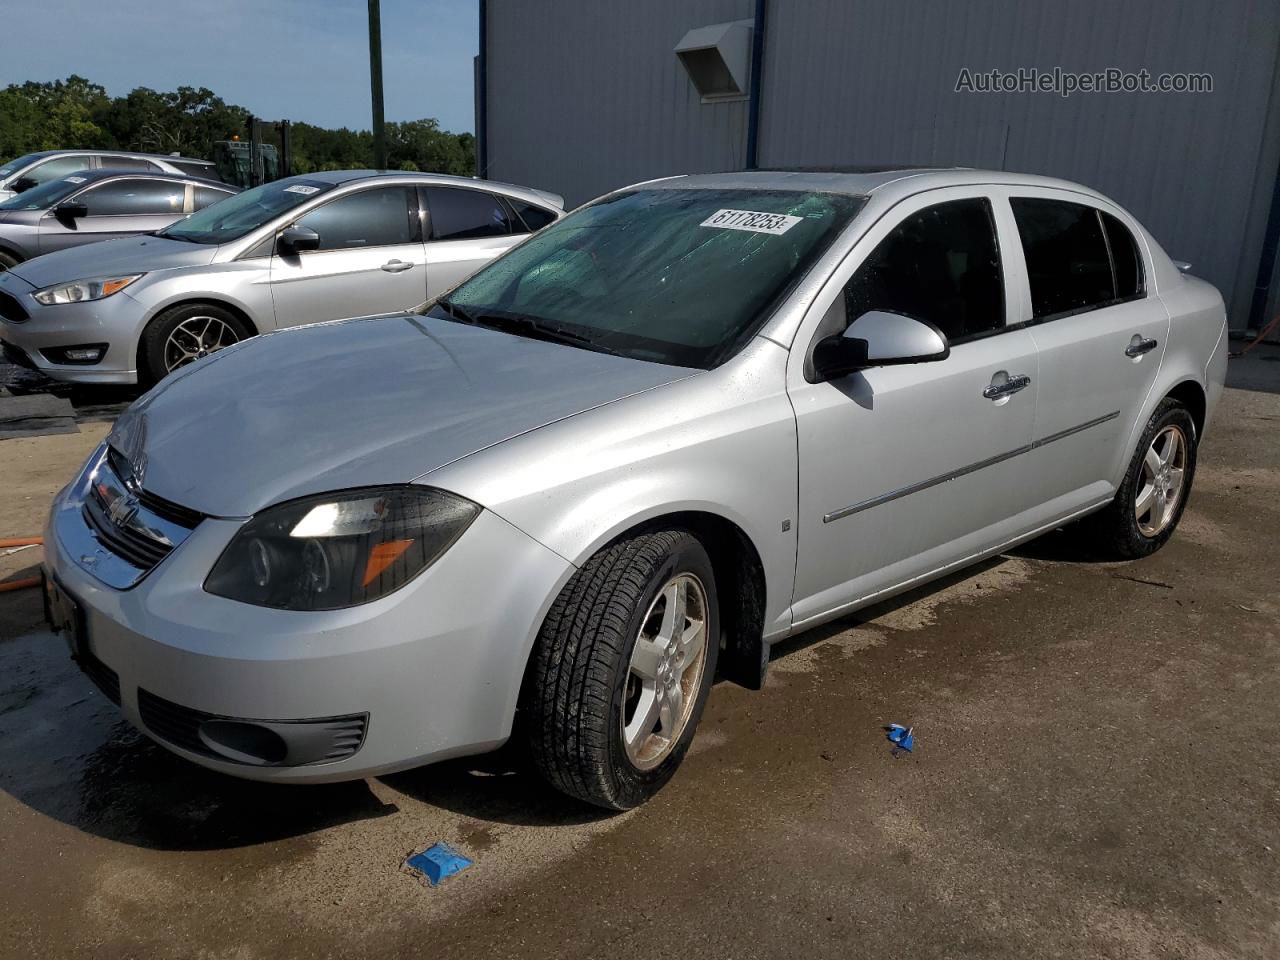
(586, 95)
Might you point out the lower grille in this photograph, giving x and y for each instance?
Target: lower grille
(308, 742)
(103, 677)
(11, 309)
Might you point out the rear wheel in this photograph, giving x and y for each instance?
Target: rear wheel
(184, 334)
(1153, 494)
(622, 669)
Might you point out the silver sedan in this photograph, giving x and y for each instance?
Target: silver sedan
(690, 420)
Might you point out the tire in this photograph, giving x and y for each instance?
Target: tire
(580, 688)
(1117, 530)
(157, 355)
(8, 260)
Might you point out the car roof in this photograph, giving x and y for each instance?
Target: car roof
(857, 181)
(42, 154)
(91, 175)
(340, 177)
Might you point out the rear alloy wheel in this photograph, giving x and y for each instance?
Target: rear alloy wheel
(185, 334)
(1153, 494)
(622, 668)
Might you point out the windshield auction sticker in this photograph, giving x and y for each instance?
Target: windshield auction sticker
(302, 188)
(751, 220)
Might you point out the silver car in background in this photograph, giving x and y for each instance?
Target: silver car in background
(96, 205)
(304, 249)
(33, 169)
(688, 421)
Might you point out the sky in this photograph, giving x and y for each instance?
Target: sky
(302, 60)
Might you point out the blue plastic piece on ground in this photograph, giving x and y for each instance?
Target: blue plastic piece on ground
(901, 736)
(438, 862)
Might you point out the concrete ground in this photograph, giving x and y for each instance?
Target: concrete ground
(1097, 774)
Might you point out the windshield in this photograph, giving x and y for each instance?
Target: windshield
(684, 277)
(45, 195)
(232, 218)
(13, 166)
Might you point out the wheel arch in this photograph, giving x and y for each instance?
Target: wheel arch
(212, 301)
(1191, 395)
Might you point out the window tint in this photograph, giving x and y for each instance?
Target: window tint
(940, 264)
(370, 218)
(534, 218)
(57, 167)
(461, 214)
(207, 195)
(1124, 254)
(126, 163)
(1066, 253)
(206, 170)
(134, 197)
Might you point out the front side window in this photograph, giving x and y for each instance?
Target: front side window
(941, 264)
(371, 218)
(680, 276)
(1069, 264)
(56, 167)
(461, 214)
(245, 212)
(117, 198)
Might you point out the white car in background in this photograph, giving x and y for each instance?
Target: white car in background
(305, 249)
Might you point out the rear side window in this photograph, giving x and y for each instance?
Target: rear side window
(207, 195)
(206, 170)
(533, 217)
(134, 198)
(941, 264)
(461, 214)
(1069, 261)
(125, 163)
(1124, 254)
(381, 217)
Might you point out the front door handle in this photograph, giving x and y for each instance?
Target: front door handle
(396, 266)
(998, 389)
(1139, 345)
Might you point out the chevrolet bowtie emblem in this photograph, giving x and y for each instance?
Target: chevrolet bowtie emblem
(123, 509)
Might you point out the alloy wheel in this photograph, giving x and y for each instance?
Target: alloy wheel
(197, 337)
(665, 672)
(1160, 486)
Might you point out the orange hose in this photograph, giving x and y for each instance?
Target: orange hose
(21, 541)
(19, 584)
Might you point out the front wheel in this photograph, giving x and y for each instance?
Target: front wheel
(8, 260)
(1153, 494)
(184, 334)
(622, 668)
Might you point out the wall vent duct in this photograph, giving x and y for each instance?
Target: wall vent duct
(718, 60)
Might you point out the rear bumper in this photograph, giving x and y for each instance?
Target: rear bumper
(429, 672)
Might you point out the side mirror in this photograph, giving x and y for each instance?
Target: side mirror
(879, 338)
(295, 239)
(22, 184)
(71, 210)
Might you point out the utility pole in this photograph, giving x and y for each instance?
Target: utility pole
(375, 78)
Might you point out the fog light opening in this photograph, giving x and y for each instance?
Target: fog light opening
(243, 742)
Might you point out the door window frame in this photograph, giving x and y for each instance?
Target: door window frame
(416, 235)
(140, 175)
(499, 199)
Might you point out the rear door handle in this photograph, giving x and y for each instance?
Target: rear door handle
(1139, 345)
(998, 389)
(396, 266)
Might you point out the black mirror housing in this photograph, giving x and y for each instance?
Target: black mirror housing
(23, 184)
(71, 210)
(838, 356)
(295, 239)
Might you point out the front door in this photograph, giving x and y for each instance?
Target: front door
(122, 207)
(1101, 339)
(906, 469)
(370, 260)
(468, 229)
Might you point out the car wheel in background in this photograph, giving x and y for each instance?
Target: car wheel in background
(1153, 494)
(622, 668)
(8, 260)
(184, 334)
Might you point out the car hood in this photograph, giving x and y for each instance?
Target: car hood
(140, 254)
(354, 403)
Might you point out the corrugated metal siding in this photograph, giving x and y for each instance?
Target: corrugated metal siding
(587, 95)
(873, 81)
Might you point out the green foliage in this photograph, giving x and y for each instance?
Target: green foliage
(74, 113)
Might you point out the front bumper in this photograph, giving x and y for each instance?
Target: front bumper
(434, 668)
(114, 320)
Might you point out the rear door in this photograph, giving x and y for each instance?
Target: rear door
(120, 207)
(906, 469)
(371, 259)
(1100, 335)
(468, 228)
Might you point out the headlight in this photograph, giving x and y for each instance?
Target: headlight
(339, 549)
(84, 290)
